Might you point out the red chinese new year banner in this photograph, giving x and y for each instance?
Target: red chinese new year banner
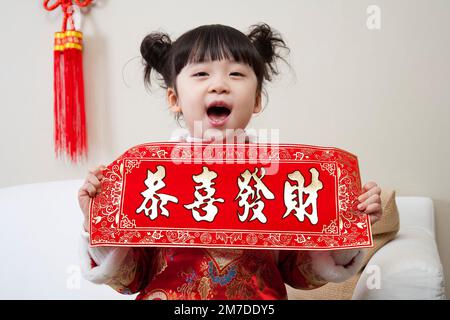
(271, 196)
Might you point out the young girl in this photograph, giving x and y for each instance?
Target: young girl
(214, 77)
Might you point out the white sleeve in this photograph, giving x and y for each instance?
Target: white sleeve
(337, 265)
(107, 259)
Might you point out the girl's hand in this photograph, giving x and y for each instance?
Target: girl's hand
(370, 202)
(88, 190)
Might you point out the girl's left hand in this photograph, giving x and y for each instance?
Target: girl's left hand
(370, 201)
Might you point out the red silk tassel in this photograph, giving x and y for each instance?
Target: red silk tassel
(69, 109)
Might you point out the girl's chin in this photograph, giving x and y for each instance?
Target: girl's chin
(225, 135)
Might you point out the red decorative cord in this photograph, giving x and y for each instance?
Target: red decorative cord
(66, 6)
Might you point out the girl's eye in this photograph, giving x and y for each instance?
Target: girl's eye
(237, 74)
(200, 74)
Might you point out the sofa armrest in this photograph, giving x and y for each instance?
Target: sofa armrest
(408, 267)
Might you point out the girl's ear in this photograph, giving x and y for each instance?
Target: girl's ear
(172, 100)
(257, 107)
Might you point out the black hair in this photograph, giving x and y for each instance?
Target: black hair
(259, 49)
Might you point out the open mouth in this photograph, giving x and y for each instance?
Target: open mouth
(218, 113)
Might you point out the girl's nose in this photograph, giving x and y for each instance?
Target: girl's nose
(219, 86)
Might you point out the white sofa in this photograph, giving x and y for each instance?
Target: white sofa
(39, 249)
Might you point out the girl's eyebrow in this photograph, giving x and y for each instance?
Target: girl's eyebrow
(196, 64)
(204, 64)
(239, 64)
(191, 66)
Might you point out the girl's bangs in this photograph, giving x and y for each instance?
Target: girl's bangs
(216, 43)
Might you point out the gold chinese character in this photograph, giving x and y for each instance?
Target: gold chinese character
(293, 195)
(250, 198)
(154, 182)
(206, 201)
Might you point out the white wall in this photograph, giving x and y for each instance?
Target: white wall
(381, 94)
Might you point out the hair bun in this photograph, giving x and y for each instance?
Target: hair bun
(154, 50)
(267, 42)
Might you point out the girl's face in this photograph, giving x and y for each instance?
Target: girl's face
(216, 95)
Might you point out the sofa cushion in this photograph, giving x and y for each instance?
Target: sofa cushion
(383, 231)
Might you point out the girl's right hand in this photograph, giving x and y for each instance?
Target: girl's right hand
(89, 190)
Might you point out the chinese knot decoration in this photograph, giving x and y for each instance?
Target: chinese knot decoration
(69, 110)
(273, 196)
